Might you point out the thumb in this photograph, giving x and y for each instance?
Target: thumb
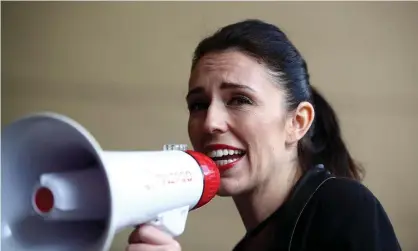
(150, 235)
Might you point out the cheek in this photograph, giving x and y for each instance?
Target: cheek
(262, 131)
(274, 138)
(194, 131)
(265, 139)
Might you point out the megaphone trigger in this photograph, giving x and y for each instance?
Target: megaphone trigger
(172, 222)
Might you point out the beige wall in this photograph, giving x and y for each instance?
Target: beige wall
(121, 70)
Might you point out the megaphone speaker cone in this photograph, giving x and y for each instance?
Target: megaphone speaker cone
(40, 144)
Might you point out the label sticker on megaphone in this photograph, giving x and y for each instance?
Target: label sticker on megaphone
(69, 194)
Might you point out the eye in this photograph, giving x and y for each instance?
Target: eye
(197, 106)
(240, 100)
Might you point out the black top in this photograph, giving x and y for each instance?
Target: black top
(331, 213)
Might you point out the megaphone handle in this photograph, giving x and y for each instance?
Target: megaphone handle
(172, 222)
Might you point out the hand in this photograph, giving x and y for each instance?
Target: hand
(149, 238)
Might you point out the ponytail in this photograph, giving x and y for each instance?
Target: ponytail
(324, 144)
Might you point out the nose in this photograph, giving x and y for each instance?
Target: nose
(216, 120)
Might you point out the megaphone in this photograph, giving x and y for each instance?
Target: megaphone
(61, 192)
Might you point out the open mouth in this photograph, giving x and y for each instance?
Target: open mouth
(226, 158)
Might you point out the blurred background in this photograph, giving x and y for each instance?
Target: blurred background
(121, 70)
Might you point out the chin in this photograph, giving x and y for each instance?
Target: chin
(229, 187)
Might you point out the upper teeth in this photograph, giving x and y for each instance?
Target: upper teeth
(223, 152)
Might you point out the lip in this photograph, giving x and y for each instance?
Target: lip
(225, 167)
(229, 165)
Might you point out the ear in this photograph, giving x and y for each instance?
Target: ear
(299, 122)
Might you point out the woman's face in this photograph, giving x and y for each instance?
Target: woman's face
(238, 118)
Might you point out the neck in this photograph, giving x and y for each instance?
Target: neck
(257, 205)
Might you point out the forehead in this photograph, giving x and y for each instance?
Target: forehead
(231, 67)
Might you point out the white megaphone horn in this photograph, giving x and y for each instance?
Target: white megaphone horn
(61, 192)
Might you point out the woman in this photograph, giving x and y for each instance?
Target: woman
(293, 181)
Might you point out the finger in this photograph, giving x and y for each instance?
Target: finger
(141, 247)
(151, 235)
(150, 247)
(134, 236)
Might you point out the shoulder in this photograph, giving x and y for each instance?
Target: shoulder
(346, 212)
(347, 202)
(346, 194)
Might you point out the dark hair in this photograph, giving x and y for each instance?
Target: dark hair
(323, 144)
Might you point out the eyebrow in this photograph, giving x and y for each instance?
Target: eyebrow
(224, 85)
